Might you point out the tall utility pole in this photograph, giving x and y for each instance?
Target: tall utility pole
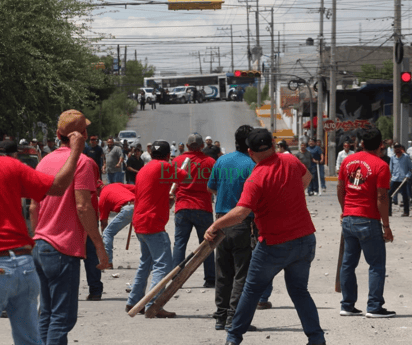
(218, 55)
(278, 78)
(135, 55)
(200, 61)
(231, 46)
(320, 70)
(211, 57)
(397, 75)
(118, 59)
(258, 45)
(272, 64)
(332, 95)
(248, 36)
(125, 59)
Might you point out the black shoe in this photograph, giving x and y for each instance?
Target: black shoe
(229, 323)
(264, 305)
(381, 313)
(94, 297)
(129, 307)
(209, 284)
(353, 312)
(324, 343)
(220, 324)
(405, 215)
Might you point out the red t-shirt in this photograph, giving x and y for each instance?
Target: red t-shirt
(194, 195)
(362, 174)
(274, 192)
(113, 197)
(151, 208)
(18, 181)
(58, 222)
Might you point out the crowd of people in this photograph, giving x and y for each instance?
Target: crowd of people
(264, 234)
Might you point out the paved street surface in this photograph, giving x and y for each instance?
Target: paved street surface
(105, 322)
(176, 121)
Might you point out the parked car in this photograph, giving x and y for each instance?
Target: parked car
(180, 94)
(131, 136)
(148, 93)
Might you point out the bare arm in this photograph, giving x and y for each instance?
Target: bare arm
(34, 215)
(88, 219)
(212, 191)
(341, 194)
(235, 216)
(64, 177)
(383, 207)
(306, 179)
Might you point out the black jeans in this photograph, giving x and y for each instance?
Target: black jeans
(232, 263)
(404, 192)
(93, 274)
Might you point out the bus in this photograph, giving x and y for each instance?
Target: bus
(216, 86)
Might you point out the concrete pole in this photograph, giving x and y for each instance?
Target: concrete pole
(332, 96)
(272, 62)
(200, 62)
(320, 85)
(404, 119)
(258, 44)
(248, 36)
(397, 75)
(218, 54)
(231, 45)
(125, 59)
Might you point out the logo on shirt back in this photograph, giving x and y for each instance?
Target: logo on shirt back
(358, 172)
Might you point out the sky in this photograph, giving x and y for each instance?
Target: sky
(172, 40)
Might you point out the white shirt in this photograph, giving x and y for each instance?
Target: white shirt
(341, 156)
(146, 158)
(390, 151)
(409, 152)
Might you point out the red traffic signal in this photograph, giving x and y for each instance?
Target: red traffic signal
(406, 77)
(238, 73)
(249, 74)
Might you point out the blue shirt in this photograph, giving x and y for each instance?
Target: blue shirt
(316, 151)
(228, 176)
(400, 167)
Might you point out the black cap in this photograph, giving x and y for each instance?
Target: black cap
(282, 143)
(8, 146)
(259, 140)
(160, 148)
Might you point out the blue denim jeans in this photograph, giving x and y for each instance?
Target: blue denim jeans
(19, 289)
(294, 257)
(93, 274)
(314, 184)
(59, 280)
(322, 175)
(363, 234)
(116, 177)
(156, 257)
(184, 222)
(122, 219)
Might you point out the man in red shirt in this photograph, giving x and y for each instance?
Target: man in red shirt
(119, 198)
(194, 205)
(151, 214)
(364, 180)
(61, 226)
(274, 191)
(19, 282)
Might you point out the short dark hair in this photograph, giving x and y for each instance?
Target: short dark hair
(346, 142)
(64, 139)
(241, 135)
(372, 139)
(157, 155)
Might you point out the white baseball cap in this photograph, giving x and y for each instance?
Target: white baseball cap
(208, 137)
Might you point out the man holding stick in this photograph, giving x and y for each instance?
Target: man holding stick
(363, 195)
(151, 214)
(194, 205)
(119, 198)
(274, 191)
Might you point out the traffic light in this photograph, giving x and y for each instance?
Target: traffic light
(406, 89)
(250, 74)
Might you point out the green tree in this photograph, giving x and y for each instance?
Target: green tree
(45, 61)
(385, 125)
(370, 71)
(136, 71)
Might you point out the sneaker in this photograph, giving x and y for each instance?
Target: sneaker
(353, 312)
(405, 215)
(324, 190)
(310, 193)
(129, 307)
(94, 297)
(315, 193)
(381, 313)
(209, 284)
(220, 324)
(264, 305)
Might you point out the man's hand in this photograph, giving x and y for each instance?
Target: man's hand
(387, 235)
(76, 141)
(211, 233)
(103, 258)
(118, 165)
(104, 169)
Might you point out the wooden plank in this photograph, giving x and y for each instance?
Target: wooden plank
(204, 250)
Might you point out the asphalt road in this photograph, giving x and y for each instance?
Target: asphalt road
(176, 121)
